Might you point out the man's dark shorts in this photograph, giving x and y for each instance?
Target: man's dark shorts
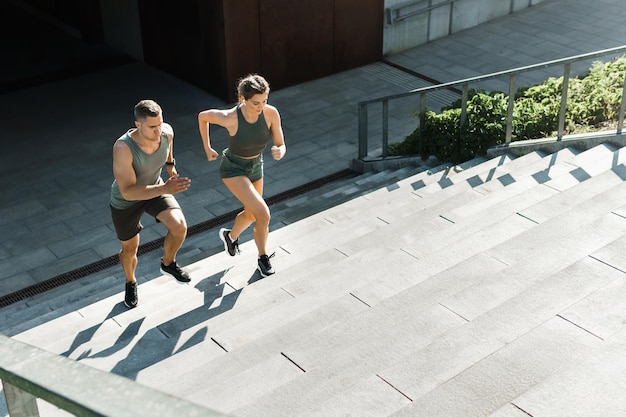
(127, 222)
(232, 165)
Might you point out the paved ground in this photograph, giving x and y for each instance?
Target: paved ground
(58, 132)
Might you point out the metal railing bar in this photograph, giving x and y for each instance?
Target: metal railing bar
(385, 127)
(464, 97)
(500, 74)
(422, 109)
(362, 130)
(394, 9)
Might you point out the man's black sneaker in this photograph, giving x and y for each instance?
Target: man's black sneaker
(265, 267)
(130, 299)
(174, 270)
(229, 246)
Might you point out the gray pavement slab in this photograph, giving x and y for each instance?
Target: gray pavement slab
(520, 365)
(244, 388)
(592, 388)
(416, 375)
(613, 254)
(371, 396)
(255, 350)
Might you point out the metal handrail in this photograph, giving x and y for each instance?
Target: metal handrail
(392, 13)
(464, 83)
(28, 373)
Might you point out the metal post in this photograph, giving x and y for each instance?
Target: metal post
(385, 127)
(564, 92)
(19, 403)
(362, 130)
(464, 104)
(509, 112)
(422, 112)
(622, 108)
(463, 120)
(428, 20)
(451, 18)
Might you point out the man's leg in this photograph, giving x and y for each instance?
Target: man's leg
(176, 225)
(174, 220)
(128, 257)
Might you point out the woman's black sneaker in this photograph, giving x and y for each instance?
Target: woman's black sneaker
(232, 247)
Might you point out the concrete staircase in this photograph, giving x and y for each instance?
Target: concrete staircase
(492, 288)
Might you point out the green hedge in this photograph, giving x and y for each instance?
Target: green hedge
(593, 104)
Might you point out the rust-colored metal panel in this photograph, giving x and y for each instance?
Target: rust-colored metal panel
(358, 33)
(242, 40)
(296, 40)
(213, 43)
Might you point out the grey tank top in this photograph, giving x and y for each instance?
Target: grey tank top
(251, 138)
(147, 168)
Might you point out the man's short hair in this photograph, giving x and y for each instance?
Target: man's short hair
(146, 108)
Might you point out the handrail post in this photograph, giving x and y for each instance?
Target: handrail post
(362, 130)
(566, 72)
(422, 112)
(385, 127)
(463, 120)
(622, 108)
(19, 403)
(509, 111)
(451, 18)
(464, 104)
(429, 19)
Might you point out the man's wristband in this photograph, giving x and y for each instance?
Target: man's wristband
(171, 163)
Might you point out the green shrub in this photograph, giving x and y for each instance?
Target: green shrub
(593, 102)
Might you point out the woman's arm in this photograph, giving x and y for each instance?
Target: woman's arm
(208, 117)
(276, 129)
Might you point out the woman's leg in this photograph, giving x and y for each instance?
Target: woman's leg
(255, 210)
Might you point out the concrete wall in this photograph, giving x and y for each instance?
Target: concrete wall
(441, 21)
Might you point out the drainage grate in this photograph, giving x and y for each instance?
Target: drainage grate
(105, 263)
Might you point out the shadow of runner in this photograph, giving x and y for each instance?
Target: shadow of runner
(86, 335)
(160, 342)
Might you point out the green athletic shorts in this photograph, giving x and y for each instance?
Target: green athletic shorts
(232, 165)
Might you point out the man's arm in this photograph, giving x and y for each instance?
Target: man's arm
(127, 180)
(169, 132)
